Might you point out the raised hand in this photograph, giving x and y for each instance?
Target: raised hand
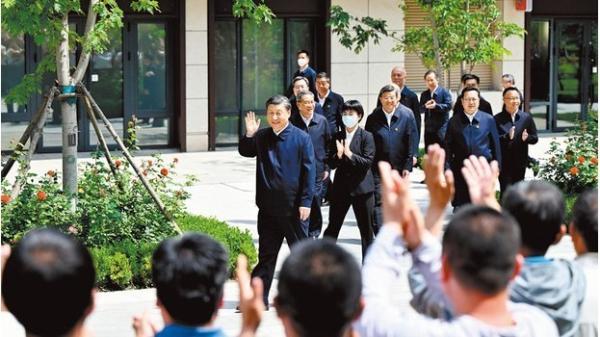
(347, 151)
(481, 178)
(251, 298)
(144, 326)
(252, 123)
(440, 185)
(340, 148)
(511, 133)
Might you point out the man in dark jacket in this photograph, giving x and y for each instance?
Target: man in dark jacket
(330, 102)
(318, 128)
(304, 70)
(516, 130)
(472, 81)
(285, 182)
(394, 131)
(472, 132)
(435, 103)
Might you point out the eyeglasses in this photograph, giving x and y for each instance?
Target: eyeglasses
(512, 98)
(470, 99)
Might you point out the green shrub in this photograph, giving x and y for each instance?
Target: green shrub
(573, 166)
(235, 240)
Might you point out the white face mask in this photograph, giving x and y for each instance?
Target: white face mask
(302, 62)
(350, 121)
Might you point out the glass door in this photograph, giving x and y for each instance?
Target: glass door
(575, 68)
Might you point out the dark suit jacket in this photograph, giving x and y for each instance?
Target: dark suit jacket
(515, 149)
(332, 110)
(463, 138)
(318, 129)
(394, 143)
(409, 99)
(436, 119)
(285, 169)
(484, 106)
(311, 75)
(353, 176)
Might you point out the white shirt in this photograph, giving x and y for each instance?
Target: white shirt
(306, 120)
(280, 131)
(470, 117)
(322, 100)
(350, 135)
(388, 116)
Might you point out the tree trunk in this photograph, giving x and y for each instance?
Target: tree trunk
(436, 46)
(69, 116)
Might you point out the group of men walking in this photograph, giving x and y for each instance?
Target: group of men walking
(315, 131)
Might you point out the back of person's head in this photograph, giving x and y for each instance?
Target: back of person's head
(48, 282)
(585, 218)
(189, 272)
(319, 289)
(480, 246)
(539, 208)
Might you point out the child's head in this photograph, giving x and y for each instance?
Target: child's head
(584, 226)
(539, 209)
(189, 272)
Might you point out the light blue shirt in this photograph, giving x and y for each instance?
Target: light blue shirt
(177, 330)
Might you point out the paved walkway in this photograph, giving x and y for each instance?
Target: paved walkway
(226, 190)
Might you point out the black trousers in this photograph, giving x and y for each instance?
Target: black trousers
(271, 232)
(509, 176)
(315, 221)
(377, 211)
(433, 138)
(363, 210)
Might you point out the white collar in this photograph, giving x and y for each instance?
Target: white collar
(470, 117)
(307, 120)
(280, 131)
(324, 97)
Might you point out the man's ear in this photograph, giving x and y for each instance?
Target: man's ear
(359, 310)
(445, 272)
(519, 261)
(561, 232)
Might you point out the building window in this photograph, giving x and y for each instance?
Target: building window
(253, 63)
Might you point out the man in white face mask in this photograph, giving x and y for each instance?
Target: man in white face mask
(304, 69)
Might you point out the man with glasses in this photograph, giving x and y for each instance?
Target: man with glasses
(472, 132)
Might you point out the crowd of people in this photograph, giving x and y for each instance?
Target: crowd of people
(483, 273)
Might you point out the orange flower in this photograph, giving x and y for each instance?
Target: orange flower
(574, 171)
(5, 199)
(594, 160)
(118, 163)
(41, 195)
(51, 173)
(164, 171)
(581, 159)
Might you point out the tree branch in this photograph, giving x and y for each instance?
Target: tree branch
(84, 59)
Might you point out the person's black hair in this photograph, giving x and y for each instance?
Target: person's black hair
(48, 281)
(585, 218)
(300, 78)
(480, 245)
(430, 72)
(303, 51)
(510, 77)
(539, 209)
(465, 90)
(322, 75)
(355, 106)
(388, 88)
(467, 77)
(319, 289)
(278, 99)
(189, 273)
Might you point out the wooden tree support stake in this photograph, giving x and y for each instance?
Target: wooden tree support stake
(125, 152)
(92, 116)
(41, 113)
(36, 132)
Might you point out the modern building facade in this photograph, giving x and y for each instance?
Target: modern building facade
(190, 72)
